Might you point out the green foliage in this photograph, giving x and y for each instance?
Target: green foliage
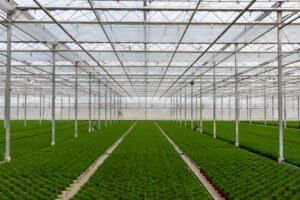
(44, 174)
(259, 139)
(289, 124)
(143, 166)
(35, 136)
(240, 174)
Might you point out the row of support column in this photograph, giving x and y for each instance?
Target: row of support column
(113, 101)
(281, 113)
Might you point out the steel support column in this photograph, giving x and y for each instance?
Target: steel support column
(76, 99)
(185, 106)
(229, 107)
(250, 109)
(265, 106)
(177, 108)
(284, 104)
(201, 107)
(214, 102)
(298, 107)
(171, 108)
(176, 111)
(115, 107)
(192, 112)
(18, 102)
(69, 107)
(40, 107)
(53, 95)
(180, 108)
(8, 89)
(25, 105)
(279, 46)
(105, 106)
(61, 107)
(90, 102)
(237, 100)
(99, 105)
(43, 107)
(247, 107)
(110, 108)
(273, 111)
(222, 115)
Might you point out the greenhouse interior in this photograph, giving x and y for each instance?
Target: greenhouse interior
(150, 99)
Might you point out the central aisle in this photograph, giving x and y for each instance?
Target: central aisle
(144, 166)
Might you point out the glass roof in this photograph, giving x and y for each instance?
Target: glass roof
(151, 48)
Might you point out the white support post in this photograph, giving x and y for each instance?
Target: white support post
(8, 88)
(298, 107)
(115, 107)
(250, 109)
(247, 107)
(201, 107)
(105, 106)
(69, 107)
(285, 104)
(18, 102)
(265, 106)
(53, 95)
(222, 108)
(171, 109)
(94, 108)
(180, 108)
(99, 105)
(279, 46)
(176, 108)
(61, 107)
(196, 112)
(273, 111)
(185, 106)
(110, 107)
(40, 107)
(25, 105)
(192, 112)
(43, 107)
(229, 107)
(214, 102)
(237, 100)
(90, 102)
(76, 99)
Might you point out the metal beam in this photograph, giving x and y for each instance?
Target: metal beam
(210, 45)
(156, 9)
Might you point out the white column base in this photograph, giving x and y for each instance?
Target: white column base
(52, 143)
(280, 159)
(7, 158)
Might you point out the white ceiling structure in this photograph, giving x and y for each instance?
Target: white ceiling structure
(152, 48)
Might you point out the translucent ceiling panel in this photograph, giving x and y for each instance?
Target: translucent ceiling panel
(35, 57)
(86, 32)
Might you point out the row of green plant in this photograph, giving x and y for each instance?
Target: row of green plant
(143, 166)
(240, 174)
(289, 124)
(25, 140)
(46, 173)
(35, 129)
(260, 139)
(31, 140)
